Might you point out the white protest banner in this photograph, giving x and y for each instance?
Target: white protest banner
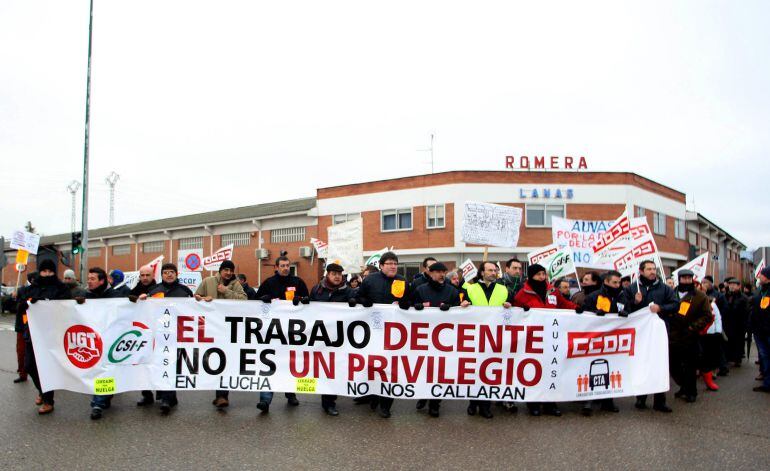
(698, 266)
(615, 234)
(556, 260)
(213, 261)
(130, 279)
(191, 279)
(321, 247)
(23, 240)
(346, 245)
(579, 235)
(469, 270)
(189, 260)
(625, 253)
(374, 259)
(156, 264)
(489, 224)
(477, 352)
(760, 267)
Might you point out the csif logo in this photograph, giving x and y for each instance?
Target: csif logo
(131, 342)
(83, 346)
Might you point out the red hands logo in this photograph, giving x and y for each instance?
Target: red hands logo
(83, 346)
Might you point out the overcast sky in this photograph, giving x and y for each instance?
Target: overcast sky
(204, 105)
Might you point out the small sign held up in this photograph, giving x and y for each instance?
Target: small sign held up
(491, 224)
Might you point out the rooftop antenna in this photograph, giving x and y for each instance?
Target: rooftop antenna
(111, 180)
(73, 188)
(430, 149)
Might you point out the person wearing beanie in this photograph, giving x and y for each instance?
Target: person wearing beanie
(735, 322)
(685, 326)
(46, 286)
(116, 280)
(332, 289)
(72, 283)
(436, 292)
(538, 293)
(223, 285)
(19, 327)
(661, 299)
(759, 322)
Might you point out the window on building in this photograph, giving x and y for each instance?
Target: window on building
(289, 234)
(409, 270)
(692, 238)
(343, 218)
(121, 249)
(396, 219)
(679, 228)
(435, 215)
(238, 239)
(640, 212)
(659, 223)
(156, 246)
(191, 243)
(97, 252)
(540, 215)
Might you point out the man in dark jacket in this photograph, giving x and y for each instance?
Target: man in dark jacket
(650, 291)
(685, 325)
(46, 287)
(424, 275)
(19, 327)
(604, 301)
(146, 282)
(282, 285)
(72, 283)
(116, 279)
(513, 278)
(383, 287)
(436, 292)
(99, 288)
(759, 322)
(251, 293)
(588, 284)
(332, 289)
(735, 321)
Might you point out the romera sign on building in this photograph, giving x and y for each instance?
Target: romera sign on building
(553, 162)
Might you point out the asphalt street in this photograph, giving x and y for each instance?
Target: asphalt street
(723, 430)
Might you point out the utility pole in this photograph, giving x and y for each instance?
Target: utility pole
(73, 188)
(111, 180)
(84, 254)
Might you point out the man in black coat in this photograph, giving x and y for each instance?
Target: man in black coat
(19, 328)
(759, 322)
(251, 293)
(46, 287)
(145, 284)
(282, 285)
(169, 287)
(332, 289)
(735, 321)
(383, 287)
(650, 291)
(424, 275)
(436, 292)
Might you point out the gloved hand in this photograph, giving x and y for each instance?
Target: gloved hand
(526, 308)
(80, 300)
(295, 301)
(132, 298)
(32, 300)
(352, 302)
(266, 299)
(366, 302)
(623, 314)
(305, 300)
(579, 310)
(418, 306)
(403, 304)
(444, 307)
(600, 313)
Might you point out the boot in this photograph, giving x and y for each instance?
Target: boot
(708, 378)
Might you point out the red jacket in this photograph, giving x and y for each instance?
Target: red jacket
(553, 299)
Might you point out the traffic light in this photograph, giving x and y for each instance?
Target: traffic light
(77, 241)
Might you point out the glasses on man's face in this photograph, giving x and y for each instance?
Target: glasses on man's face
(168, 272)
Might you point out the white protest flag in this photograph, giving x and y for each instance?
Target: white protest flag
(346, 245)
(579, 235)
(489, 224)
(760, 267)
(156, 265)
(469, 270)
(616, 234)
(321, 247)
(374, 259)
(130, 279)
(556, 260)
(23, 240)
(698, 266)
(213, 261)
(642, 249)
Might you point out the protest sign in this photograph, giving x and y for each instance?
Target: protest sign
(698, 265)
(556, 260)
(346, 245)
(191, 279)
(189, 260)
(492, 225)
(579, 235)
(213, 261)
(469, 270)
(488, 353)
(760, 267)
(130, 279)
(374, 259)
(615, 234)
(321, 247)
(23, 240)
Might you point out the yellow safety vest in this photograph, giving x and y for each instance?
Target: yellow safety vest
(477, 297)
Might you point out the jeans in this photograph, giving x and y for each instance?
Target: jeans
(763, 346)
(101, 402)
(267, 396)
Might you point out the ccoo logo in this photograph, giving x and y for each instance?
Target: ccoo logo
(83, 346)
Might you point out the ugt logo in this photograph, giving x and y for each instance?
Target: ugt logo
(83, 346)
(129, 343)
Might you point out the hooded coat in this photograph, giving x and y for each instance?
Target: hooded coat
(553, 298)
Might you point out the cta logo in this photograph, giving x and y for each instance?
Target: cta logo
(600, 376)
(129, 343)
(591, 344)
(83, 346)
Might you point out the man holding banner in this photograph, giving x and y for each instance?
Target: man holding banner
(651, 291)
